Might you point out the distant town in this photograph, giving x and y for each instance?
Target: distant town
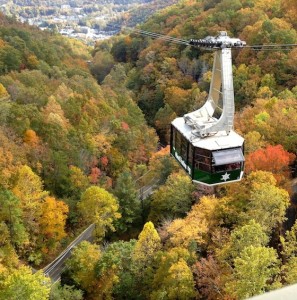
(85, 20)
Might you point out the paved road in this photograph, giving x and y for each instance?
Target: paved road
(55, 268)
(146, 191)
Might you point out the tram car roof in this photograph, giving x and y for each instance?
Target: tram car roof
(217, 141)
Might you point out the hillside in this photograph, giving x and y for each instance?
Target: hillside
(208, 242)
(60, 133)
(76, 148)
(160, 69)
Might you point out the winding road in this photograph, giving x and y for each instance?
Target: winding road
(56, 267)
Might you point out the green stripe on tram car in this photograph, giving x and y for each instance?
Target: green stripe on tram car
(216, 178)
(204, 177)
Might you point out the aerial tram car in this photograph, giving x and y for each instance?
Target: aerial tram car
(205, 145)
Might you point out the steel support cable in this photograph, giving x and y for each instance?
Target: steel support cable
(264, 47)
(272, 49)
(167, 38)
(270, 45)
(159, 36)
(153, 35)
(185, 42)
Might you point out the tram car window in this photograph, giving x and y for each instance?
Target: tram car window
(216, 160)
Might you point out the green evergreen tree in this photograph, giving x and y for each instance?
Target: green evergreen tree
(129, 202)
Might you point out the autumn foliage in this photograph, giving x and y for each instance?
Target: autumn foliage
(274, 159)
(79, 146)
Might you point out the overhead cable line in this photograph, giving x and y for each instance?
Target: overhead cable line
(160, 36)
(167, 38)
(271, 47)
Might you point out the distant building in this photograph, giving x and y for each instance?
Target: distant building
(77, 9)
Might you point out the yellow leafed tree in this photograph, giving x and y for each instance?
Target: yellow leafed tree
(195, 226)
(148, 243)
(82, 265)
(29, 189)
(53, 218)
(100, 207)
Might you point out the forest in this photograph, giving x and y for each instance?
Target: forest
(80, 135)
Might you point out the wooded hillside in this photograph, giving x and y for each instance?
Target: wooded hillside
(75, 149)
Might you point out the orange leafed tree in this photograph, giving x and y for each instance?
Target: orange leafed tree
(104, 161)
(178, 99)
(95, 174)
(31, 138)
(125, 126)
(290, 7)
(210, 277)
(274, 159)
(53, 219)
(162, 152)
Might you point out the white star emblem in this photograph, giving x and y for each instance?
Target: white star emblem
(225, 177)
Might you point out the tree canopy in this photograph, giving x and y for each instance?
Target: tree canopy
(79, 133)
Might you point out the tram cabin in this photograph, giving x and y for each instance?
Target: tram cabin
(211, 160)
